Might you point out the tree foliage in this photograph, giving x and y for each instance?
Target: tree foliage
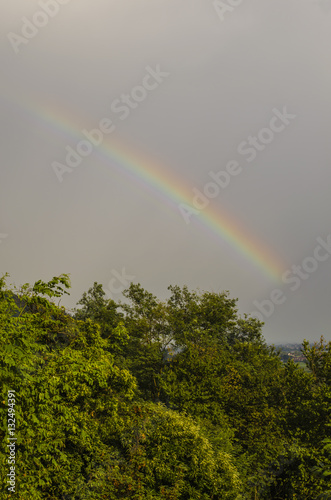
(178, 399)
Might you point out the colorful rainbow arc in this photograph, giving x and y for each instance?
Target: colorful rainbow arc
(171, 187)
(167, 185)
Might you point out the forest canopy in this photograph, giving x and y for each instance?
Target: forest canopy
(149, 399)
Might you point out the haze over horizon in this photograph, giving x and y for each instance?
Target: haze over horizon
(171, 143)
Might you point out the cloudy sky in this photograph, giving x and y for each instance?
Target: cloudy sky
(171, 142)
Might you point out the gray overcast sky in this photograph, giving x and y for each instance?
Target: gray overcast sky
(216, 77)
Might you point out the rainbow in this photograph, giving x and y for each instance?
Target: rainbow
(171, 188)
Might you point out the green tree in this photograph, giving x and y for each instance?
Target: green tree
(194, 354)
(305, 414)
(323, 469)
(169, 456)
(318, 359)
(146, 320)
(96, 307)
(69, 392)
